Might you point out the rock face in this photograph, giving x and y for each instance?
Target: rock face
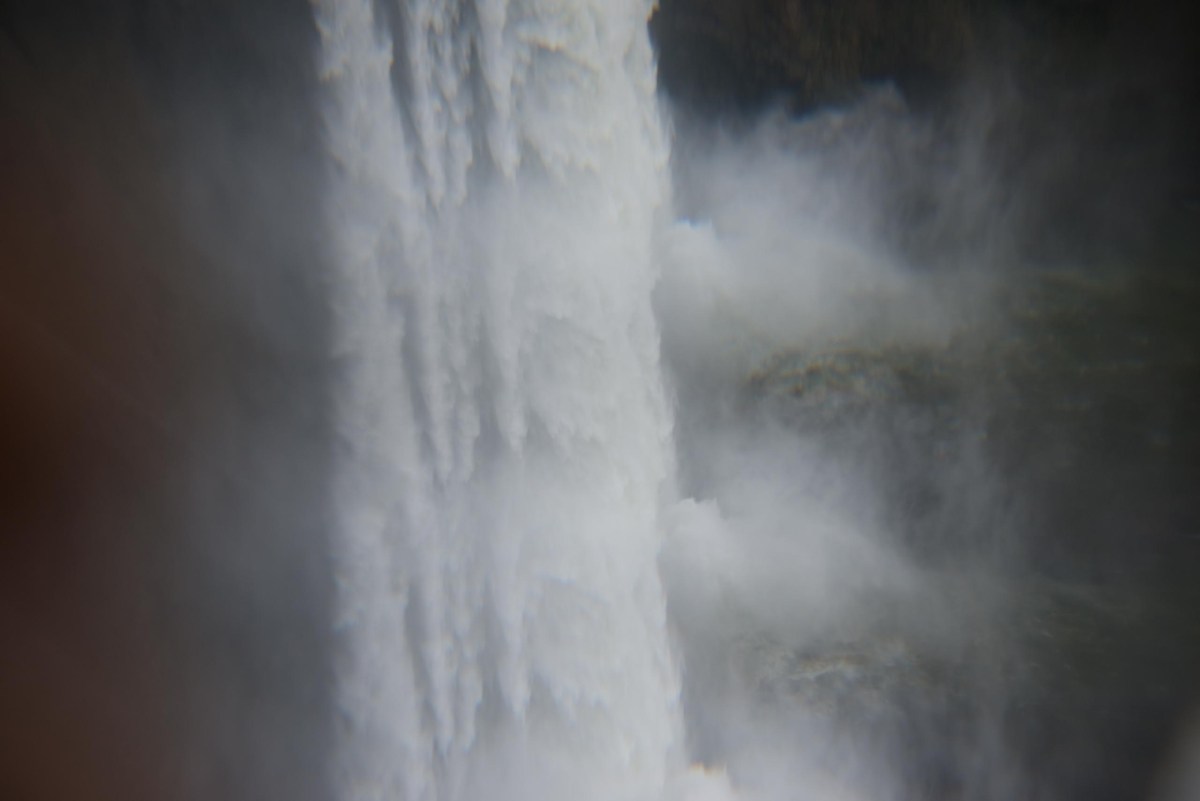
(1078, 412)
(717, 51)
(1088, 108)
(742, 53)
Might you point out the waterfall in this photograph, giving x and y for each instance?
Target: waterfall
(503, 436)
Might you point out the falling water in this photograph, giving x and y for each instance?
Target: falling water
(503, 435)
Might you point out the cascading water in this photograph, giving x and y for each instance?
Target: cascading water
(503, 435)
(890, 415)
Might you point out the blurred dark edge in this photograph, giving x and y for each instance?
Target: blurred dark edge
(164, 581)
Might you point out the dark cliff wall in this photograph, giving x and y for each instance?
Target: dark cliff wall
(745, 52)
(1088, 109)
(730, 52)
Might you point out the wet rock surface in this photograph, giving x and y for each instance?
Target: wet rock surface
(728, 53)
(714, 51)
(1074, 578)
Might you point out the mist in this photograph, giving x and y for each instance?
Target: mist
(433, 401)
(883, 579)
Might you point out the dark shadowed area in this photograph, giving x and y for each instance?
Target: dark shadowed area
(1026, 438)
(165, 428)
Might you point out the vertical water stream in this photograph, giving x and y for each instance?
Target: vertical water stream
(503, 436)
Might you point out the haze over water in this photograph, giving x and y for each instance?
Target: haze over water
(624, 438)
(415, 400)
